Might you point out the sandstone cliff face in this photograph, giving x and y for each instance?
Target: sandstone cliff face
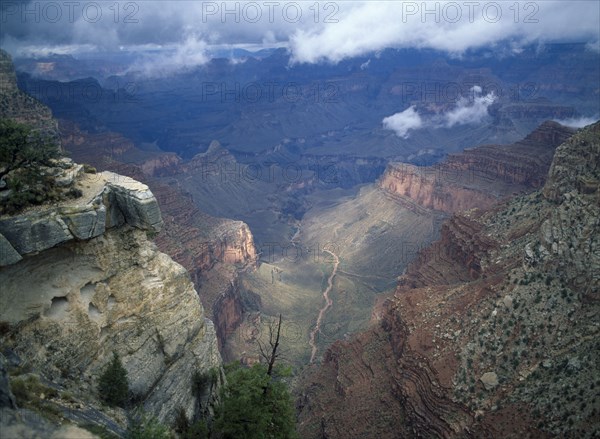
(206, 246)
(480, 176)
(412, 182)
(90, 282)
(490, 333)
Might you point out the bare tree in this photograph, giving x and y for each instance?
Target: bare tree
(270, 353)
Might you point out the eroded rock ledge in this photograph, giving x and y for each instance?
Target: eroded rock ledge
(109, 200)
(81, 280)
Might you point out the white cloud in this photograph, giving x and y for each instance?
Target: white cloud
(190, 54)
(468, 111)
(577, 122)
(402, 123)
(593, 46)
(449, 26)
(314, 32)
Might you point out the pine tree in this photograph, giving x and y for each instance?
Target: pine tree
(21, 146)
(113, 386)
(247, 411)
(256, 402)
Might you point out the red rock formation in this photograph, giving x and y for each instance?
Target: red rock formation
(478, 177)
(500, 292)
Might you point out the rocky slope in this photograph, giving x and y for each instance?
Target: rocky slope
(478, 177)
(82, 279)
(209, 248)
(18, 105)
(493, 330)
(89, 283)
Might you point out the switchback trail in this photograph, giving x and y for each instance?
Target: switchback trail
(328, 303)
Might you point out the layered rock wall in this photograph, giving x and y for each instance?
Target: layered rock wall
(490, 333)
(478, 177)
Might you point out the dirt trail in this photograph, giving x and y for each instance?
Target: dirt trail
(328, 303)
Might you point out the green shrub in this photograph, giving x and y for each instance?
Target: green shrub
(203, 381)
(74, 192)
(21, 146)
(254, 405)
(88, 169)
(198, 430)
(28, 390)
(112, 385)
(144, 426)
(182, 423)
(23, 152)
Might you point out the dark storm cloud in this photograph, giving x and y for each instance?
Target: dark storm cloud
(314, 31)
(110, 25)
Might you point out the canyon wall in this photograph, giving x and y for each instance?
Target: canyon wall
(478, 177)
(89, 282)
(211, 249)
(490, 332)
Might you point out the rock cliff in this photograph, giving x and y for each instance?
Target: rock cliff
(211, 249)
(478, 177)
(87, 282)
(109, 200)
(492, 331)
(19, 106)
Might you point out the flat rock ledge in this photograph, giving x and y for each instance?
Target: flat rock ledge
(108, 200)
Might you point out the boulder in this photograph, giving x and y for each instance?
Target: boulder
(489, 380)
(68, 177)
(34, 232)
(135, 201)
(86, 223)
(8, 255)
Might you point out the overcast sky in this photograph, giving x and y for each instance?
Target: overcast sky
(313, 31)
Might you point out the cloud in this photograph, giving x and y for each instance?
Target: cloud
(109, 25)
(190, 54)
(449, 26)
(402, 123)
(578, 122)
(593, 46)
(468, 111)
(313, 32)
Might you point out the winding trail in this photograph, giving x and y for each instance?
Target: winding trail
(328, 303)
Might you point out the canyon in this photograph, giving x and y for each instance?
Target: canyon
(500, 307)
(405, 209)
(427, 290)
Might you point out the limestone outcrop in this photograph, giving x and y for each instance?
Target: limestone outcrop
(89, 282)
(110, 200)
